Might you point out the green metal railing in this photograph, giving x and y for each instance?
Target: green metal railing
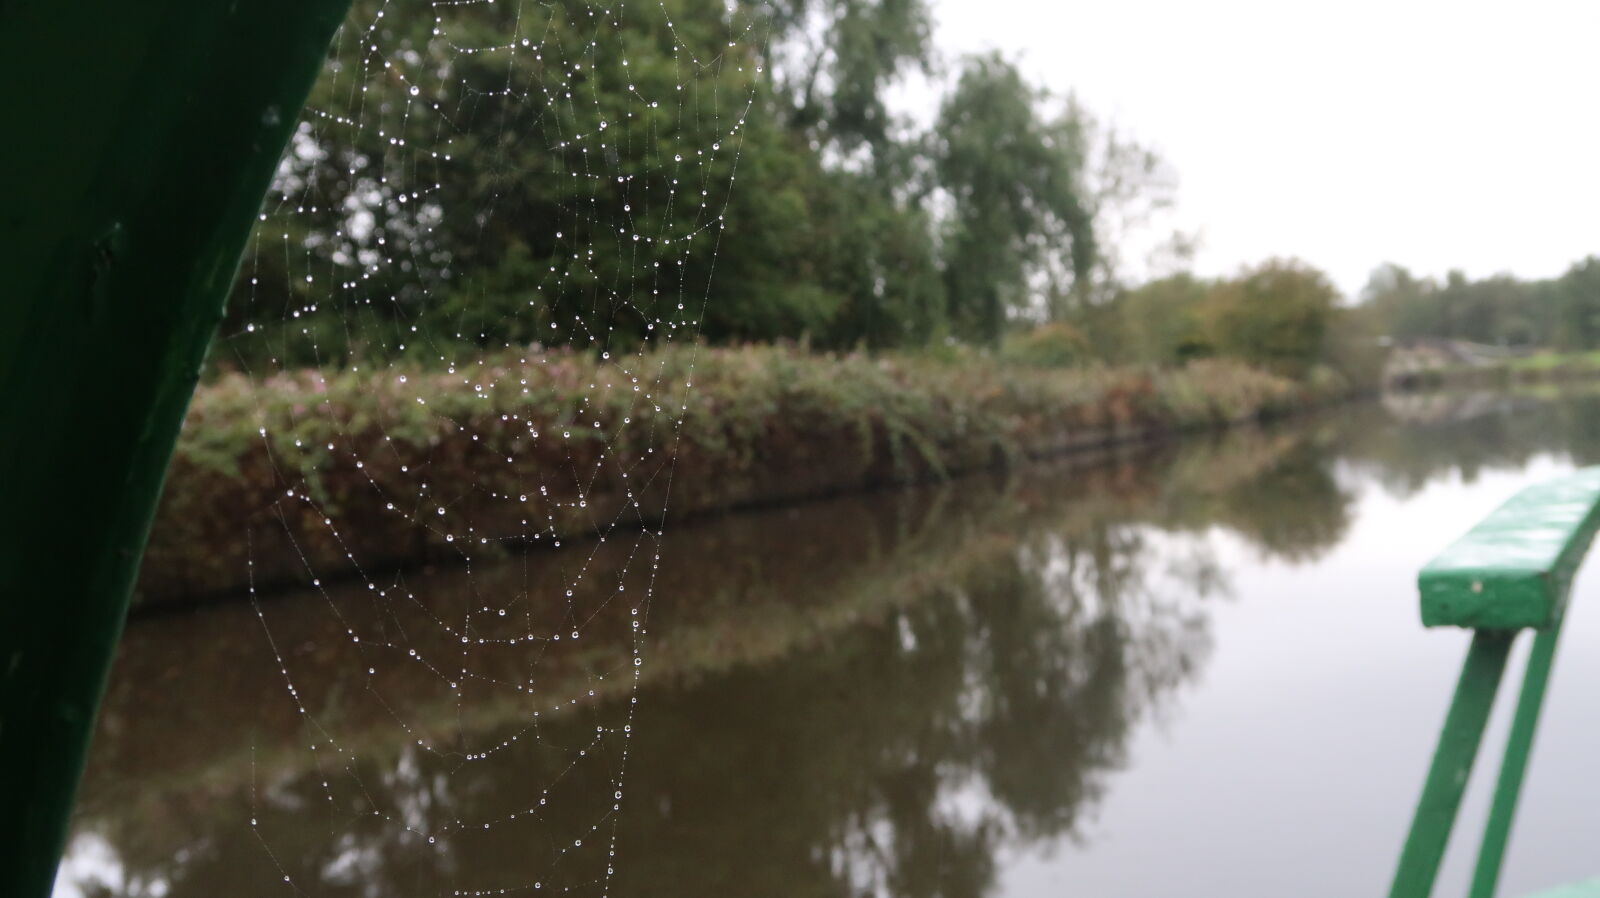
(141, 138)
(1512, 572)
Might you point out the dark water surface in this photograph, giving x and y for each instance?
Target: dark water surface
(1193, 670)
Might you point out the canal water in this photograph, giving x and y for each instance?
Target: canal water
(1186, 670)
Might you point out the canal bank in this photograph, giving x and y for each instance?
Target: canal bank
(474, 462)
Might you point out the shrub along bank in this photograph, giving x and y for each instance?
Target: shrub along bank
(321, 474)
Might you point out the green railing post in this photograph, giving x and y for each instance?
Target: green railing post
(1452, 764)
(1519, 745)
(141, 137)
(1512, 572)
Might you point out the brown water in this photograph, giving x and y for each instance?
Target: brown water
(1194, 670)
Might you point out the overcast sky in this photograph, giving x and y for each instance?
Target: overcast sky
(1435, 134)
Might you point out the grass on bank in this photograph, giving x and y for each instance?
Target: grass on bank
(545, 444)
(1557, 361)
(1540, 367)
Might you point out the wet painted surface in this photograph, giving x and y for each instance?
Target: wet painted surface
(1512, 569)
(1197, 671)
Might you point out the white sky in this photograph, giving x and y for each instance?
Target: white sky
(1434, 134)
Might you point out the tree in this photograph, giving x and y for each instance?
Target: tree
(1275, 315)
(1013, 180)
(1161, 322)
(1406, 305)
(1501, 309)
(525, 172)
(1575, 297)
(831, 61)
(1127, 188)
(549, 189)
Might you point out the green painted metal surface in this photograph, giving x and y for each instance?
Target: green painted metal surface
(1452, 764)
(1513, 569)
(141, 138)
(1519, 747)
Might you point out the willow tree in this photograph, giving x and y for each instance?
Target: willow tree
(1014, 179)
(833, 61)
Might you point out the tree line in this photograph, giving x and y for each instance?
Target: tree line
(1561, 312)
(776, 159)
(538, 191)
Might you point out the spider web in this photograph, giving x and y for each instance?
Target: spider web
(465, 329)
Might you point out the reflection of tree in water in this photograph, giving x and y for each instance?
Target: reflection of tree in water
(898, 753)
(1580, 419)
(1070, 659)
(903, 759)
(1465, 434)
(872, 698)
(898, 761)
(1287, 504)
(1295, 511)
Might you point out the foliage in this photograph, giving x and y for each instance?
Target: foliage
(1127, 187)
(1054, 344)
(762, 424)
(843, 228)
(562, 224)
(1356, 347)
(832, 61)
(611, 222)
(1275, 316)
(1562, 312)
(428, 211)
(1015, 187)
(1161, 322)
(1576, 298)
(1282, 316)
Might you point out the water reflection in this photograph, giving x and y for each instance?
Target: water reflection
(876, 695)
(1449, 433)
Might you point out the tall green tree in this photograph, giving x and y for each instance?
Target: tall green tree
(1406, 305)
(527, 171)
(1575, 301)
(551, 187)
(1128, 189)
(833, 60)
(1013, 178)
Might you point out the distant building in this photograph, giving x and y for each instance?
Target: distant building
(1414, 361)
